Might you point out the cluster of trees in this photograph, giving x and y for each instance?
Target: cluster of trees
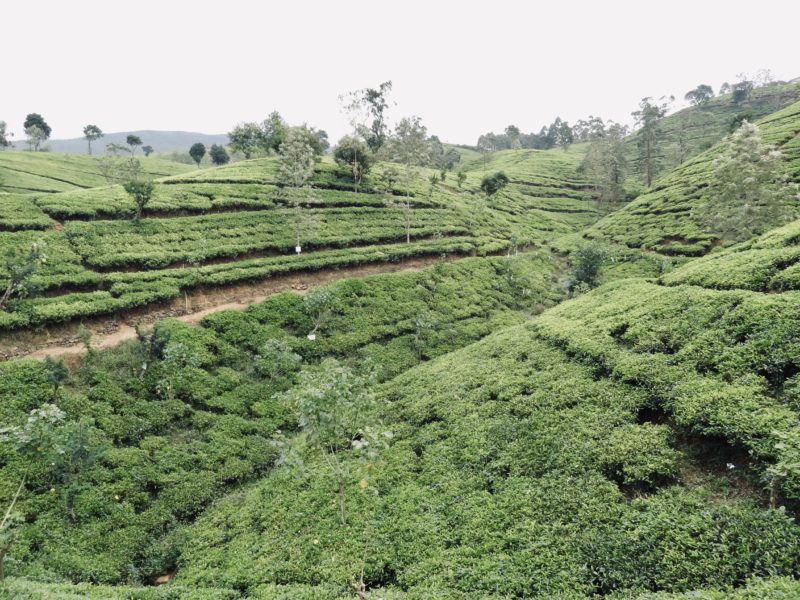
(558, 134)
(740, 91)
(606, 164)
(132, 142)
(265, 138)
(217, 153)
(372, 140)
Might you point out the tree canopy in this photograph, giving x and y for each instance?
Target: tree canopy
(197, 152)
(36, 120)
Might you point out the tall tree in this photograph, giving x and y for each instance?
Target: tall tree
(742, 89)
(92, 133)
(749, 191)
(513, 133)
(35, 119)
(647, 119)
(564, 135)
(354, 155)
(355, 108)
(371, 104)
(35, 136)
(245, 138)
(4, 143)
(273, 132)
(296, 170)
(218, 154)
(410, 147)
(605, 164)
(197, 152)
(133, 141)
(296, 160)
(590, 128)
(700, 95)
(341, 431)
(486, 145)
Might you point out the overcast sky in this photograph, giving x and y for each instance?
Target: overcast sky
(464, 67)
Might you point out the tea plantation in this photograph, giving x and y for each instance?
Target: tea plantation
(235, 224)
(563, 401)
(690, 131)
(43, 172)
(665, 218)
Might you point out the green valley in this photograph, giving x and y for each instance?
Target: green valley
(374, 361)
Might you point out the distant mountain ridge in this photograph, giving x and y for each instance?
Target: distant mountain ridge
(161, 141)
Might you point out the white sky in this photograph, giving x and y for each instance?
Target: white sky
(465, 67)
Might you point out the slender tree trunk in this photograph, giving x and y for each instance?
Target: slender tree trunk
(342, 502)
(6, 295)
(4, 524)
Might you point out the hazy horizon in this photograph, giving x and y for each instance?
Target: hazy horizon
(184, 66)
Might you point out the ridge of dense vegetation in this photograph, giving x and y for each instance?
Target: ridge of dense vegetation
(587, 451)
(665, 218)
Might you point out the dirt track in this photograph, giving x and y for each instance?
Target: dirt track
(107, 332)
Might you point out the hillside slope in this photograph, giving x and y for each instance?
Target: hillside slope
(768, 263)
(235, 224)
(616, 444)
(46, 173)
(589, 451)
(663, 220)
(694, 129)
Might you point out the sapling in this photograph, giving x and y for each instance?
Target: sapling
(57, 372)
(317, 303)
(341, 435)
(32, 442)
(18, 271)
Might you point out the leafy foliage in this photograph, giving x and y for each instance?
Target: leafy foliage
(749, 188)
(491, 184)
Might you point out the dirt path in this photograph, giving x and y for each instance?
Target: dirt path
(63, 341)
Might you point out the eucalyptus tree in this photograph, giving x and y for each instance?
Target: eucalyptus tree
(92, 133)
(296, 170)
(411, 148)
(648, 118)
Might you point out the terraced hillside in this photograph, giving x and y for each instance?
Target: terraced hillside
(182, 434)
(544, 184)
(663, 219)
(235, 224)
(768, 263)
(690, 131)
(46, 173)
(587, 451)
